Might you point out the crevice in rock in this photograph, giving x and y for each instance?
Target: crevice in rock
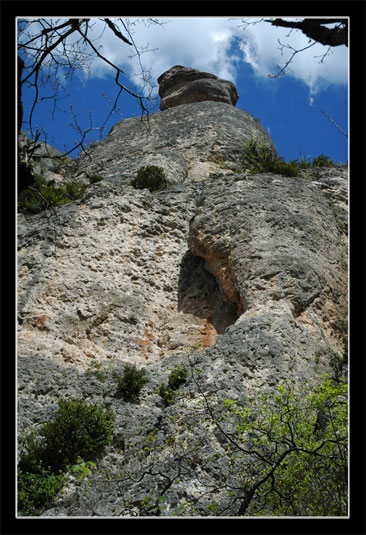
(199, 294)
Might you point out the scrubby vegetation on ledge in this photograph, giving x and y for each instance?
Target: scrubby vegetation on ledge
(258, 157)
(41, 195)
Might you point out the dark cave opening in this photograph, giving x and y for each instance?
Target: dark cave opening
(199, 294)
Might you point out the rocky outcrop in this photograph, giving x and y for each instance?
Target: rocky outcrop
(188, 142)
(42, 159)
(242, 277)
(183, 85)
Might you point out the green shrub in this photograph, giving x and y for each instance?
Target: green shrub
(37, 489)
(150, 177)
(42, 195)
(77, 430)
(167, 394)
(258, 157)
(177, 377)
(322, 161)
(281, 167)
(130, 382)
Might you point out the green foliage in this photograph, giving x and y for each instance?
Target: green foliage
(281, 167)
(36, 489)
(95, 368)
(81, 468)
(322, 161)
(167, 394)
(131, 381)
(151, 177)
(177, 377)
(258, 157)
(298, 446)
(41, 195)
(77, 429)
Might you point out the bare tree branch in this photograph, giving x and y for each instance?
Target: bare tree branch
(335, 124)
(315, 29)
(116, 31)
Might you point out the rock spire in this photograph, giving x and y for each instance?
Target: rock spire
(184, 85)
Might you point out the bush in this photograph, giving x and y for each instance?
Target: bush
(78, 429)
(258, 157)
(43, 195)
(322, 161)
(37, 489)
(281, 167)
(177, 377)
(150, 177)
(131, 382)
(167, 394)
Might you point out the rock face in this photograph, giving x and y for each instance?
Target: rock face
(182, 85)
(189, 142)
(243, 277)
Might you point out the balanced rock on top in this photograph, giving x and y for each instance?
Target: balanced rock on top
(183, 85)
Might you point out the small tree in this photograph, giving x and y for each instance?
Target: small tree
(131, 381)
(284, 454)
(300, 443)
(77, 430)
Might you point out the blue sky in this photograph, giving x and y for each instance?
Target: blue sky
(288, 107)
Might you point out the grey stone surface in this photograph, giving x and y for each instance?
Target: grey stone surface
(189, 142)
(45, 160)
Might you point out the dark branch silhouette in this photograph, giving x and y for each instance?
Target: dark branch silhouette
(315, 29)
(49, 52)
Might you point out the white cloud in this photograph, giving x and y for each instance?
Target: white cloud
(207, 44)
(267, 49)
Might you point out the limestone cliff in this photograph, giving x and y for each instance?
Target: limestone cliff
(244, 274)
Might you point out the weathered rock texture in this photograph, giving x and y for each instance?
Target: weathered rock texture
(189, 142)
(244, 275)
(182, 85)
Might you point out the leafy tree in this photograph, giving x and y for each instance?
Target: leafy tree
(298, 445)
(77, 429)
